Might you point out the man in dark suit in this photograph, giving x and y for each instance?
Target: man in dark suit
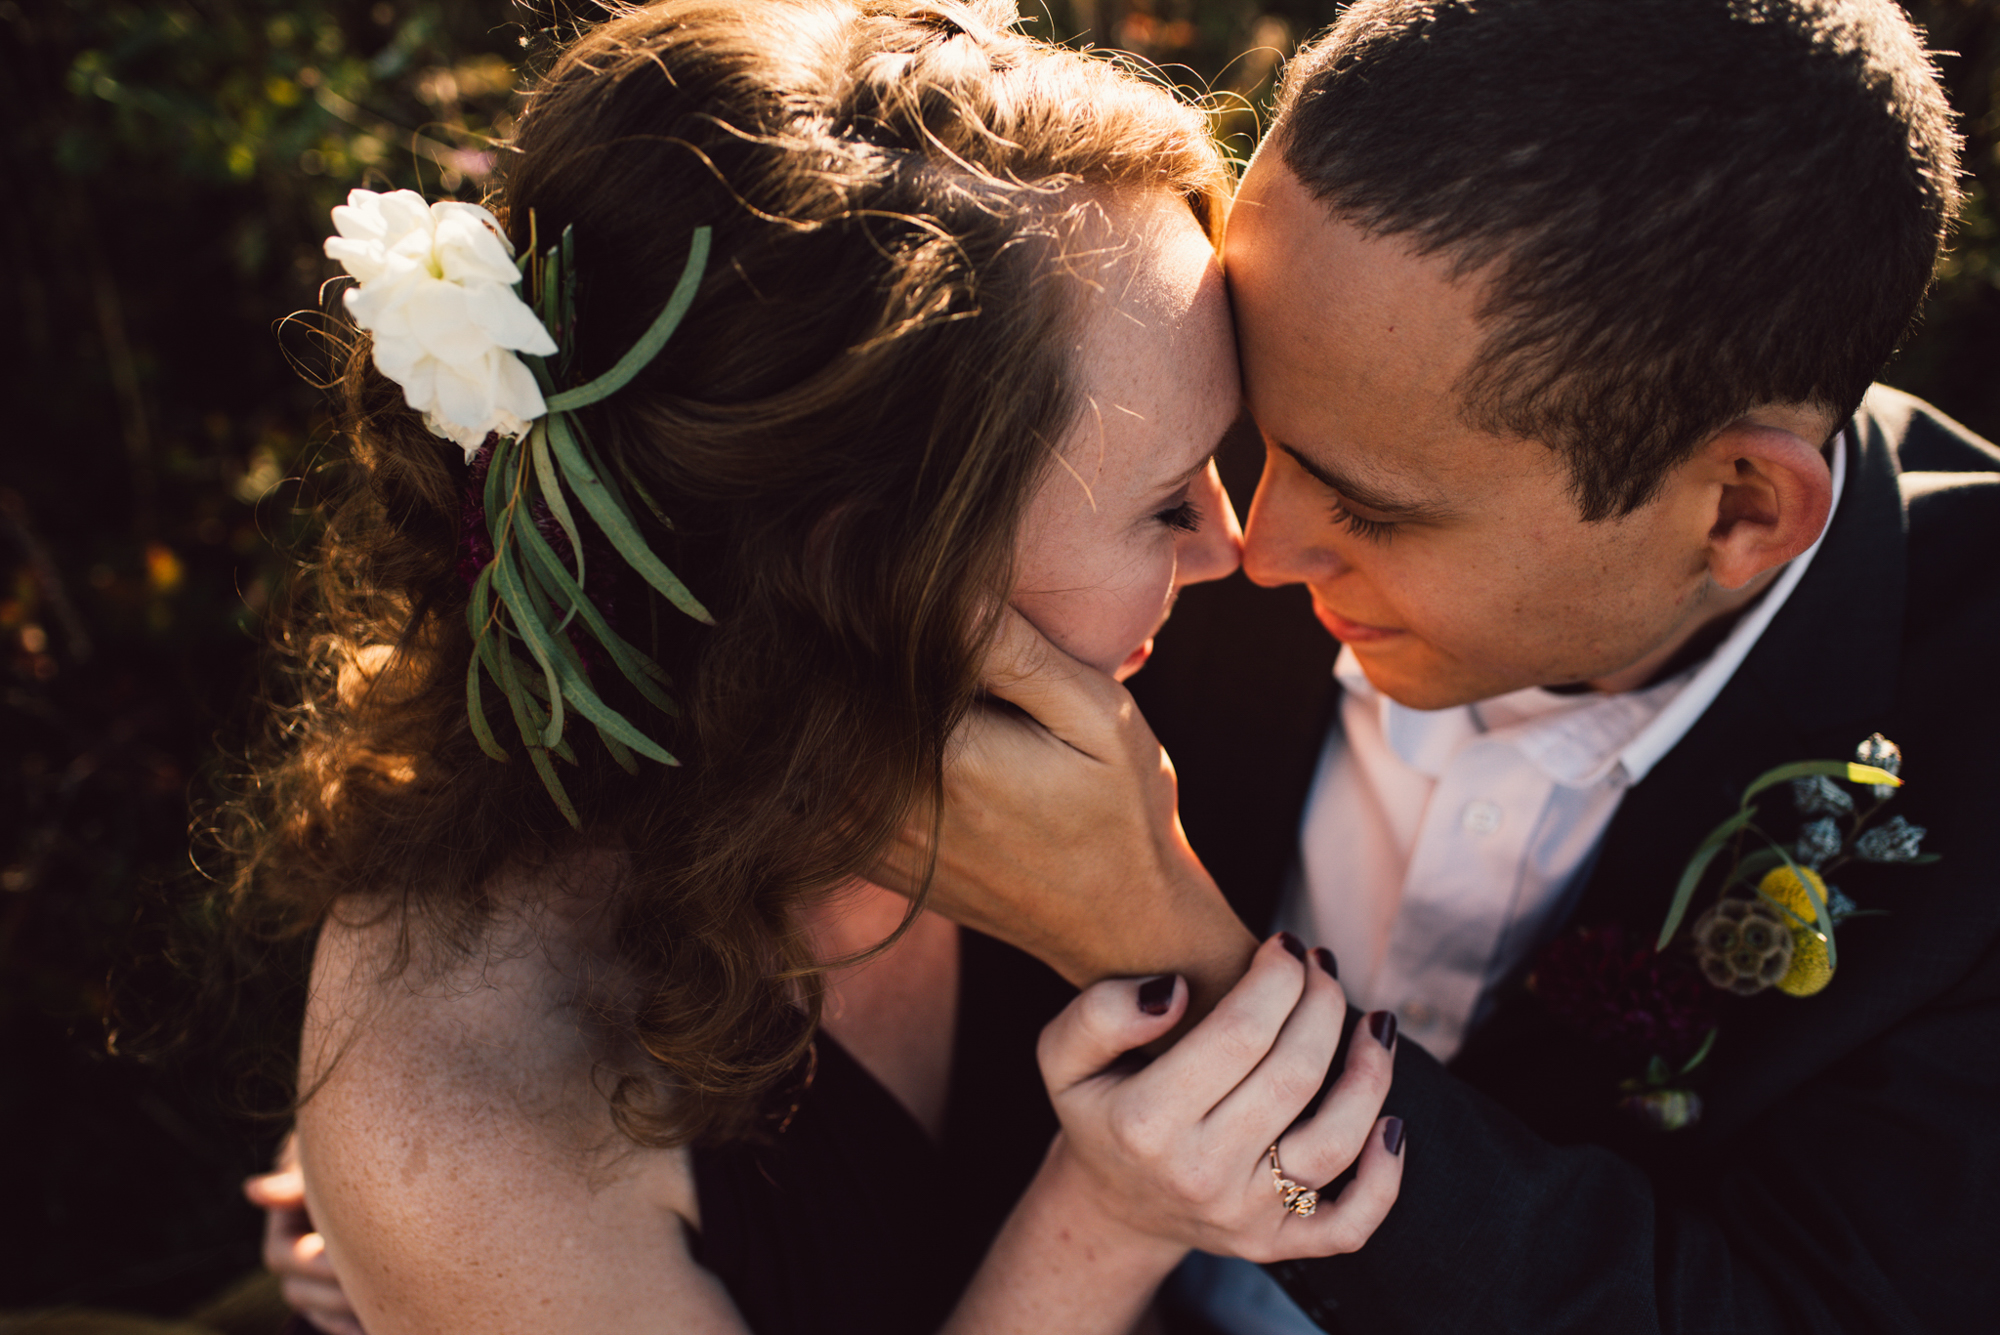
(1557, 318)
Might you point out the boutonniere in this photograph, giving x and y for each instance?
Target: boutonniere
(1771, 925)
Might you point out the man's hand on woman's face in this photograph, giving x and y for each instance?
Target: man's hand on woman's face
(1178, 1149)
(294, 1250)
(1060, 832)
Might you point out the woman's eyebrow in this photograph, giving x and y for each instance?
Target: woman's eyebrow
(1368, 498)
(1181, 479)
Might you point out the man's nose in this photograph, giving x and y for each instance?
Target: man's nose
(1283, 543)
(1216, 548)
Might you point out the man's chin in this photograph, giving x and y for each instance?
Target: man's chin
(1420, 681)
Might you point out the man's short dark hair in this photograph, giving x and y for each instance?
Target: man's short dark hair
(1681, 209)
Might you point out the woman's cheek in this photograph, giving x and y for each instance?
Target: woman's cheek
(1101, 614)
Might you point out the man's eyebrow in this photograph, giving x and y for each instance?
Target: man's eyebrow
(1361, 494)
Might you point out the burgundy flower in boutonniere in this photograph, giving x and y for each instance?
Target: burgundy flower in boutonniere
(1623, 996)
(1641, 1007)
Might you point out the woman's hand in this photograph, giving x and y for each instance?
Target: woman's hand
(1060, 833)
(294, 1250)
(1155, 1159)
(1178, 1150)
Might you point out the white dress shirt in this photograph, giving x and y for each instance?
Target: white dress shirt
(1440, 848)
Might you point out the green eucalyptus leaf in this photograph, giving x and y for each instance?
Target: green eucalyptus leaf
(544, 378)
(641, 353)
(482, 731)
(576, 690)
(545, 303)
(568, 308)
(1798, 769)
(634, 666)
(550, 781)
(1691, 875)
(487, 632)
(552, 495)
(500, 471)
(535, 636)
(617, 524)
(522, 689)
(645, 497)
(1701, 1053)
(619, 752)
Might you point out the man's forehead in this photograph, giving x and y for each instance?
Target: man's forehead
(1354, 347)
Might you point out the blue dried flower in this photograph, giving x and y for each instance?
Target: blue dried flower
(1882, 753)
(1821, 796)
(1840, 906)
(1894, 842)
(1818, 841)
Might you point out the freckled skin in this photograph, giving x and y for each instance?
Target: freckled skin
(1098, 570)
(1353, 348)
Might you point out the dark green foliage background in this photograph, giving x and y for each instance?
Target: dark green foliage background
(168, 169)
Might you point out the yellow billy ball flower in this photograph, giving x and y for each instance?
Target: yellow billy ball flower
(1809, 971)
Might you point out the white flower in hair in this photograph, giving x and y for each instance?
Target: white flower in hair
(437, 292)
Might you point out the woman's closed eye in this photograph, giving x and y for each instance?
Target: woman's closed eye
(1184, 517)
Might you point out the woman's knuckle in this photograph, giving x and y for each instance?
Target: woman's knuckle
(1138, 1132)
(1240, 1037)
(1183, 1182)
(1343, 1146)
(1294, 1086)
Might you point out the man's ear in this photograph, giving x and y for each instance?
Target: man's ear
(1776, 491)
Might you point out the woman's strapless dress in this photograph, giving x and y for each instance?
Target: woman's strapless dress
(852, 1219)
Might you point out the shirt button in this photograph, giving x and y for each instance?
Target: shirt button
(1480, 817)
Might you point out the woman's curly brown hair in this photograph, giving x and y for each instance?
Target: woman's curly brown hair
(843, 432)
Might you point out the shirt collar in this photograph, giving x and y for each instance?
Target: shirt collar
(1581, 740)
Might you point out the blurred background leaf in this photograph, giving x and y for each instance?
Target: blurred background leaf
(170, 164)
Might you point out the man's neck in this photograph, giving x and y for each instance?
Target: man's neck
(1694, 641)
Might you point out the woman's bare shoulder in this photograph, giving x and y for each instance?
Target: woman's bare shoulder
(459, 1152)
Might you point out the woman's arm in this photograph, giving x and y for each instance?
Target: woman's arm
(466, 1175)
(464, 1169)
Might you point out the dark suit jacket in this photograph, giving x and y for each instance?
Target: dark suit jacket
(1846, 1175)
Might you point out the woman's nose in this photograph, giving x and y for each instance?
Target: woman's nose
(1216, 548)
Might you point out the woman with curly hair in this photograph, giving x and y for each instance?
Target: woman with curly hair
(859, 328)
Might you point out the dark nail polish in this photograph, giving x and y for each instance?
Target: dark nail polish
(1156, 994)
(1382, 1024)
(1324, 958)
(1392, 1135)
(1293, 944)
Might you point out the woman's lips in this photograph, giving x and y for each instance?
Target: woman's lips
(1350, 632)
